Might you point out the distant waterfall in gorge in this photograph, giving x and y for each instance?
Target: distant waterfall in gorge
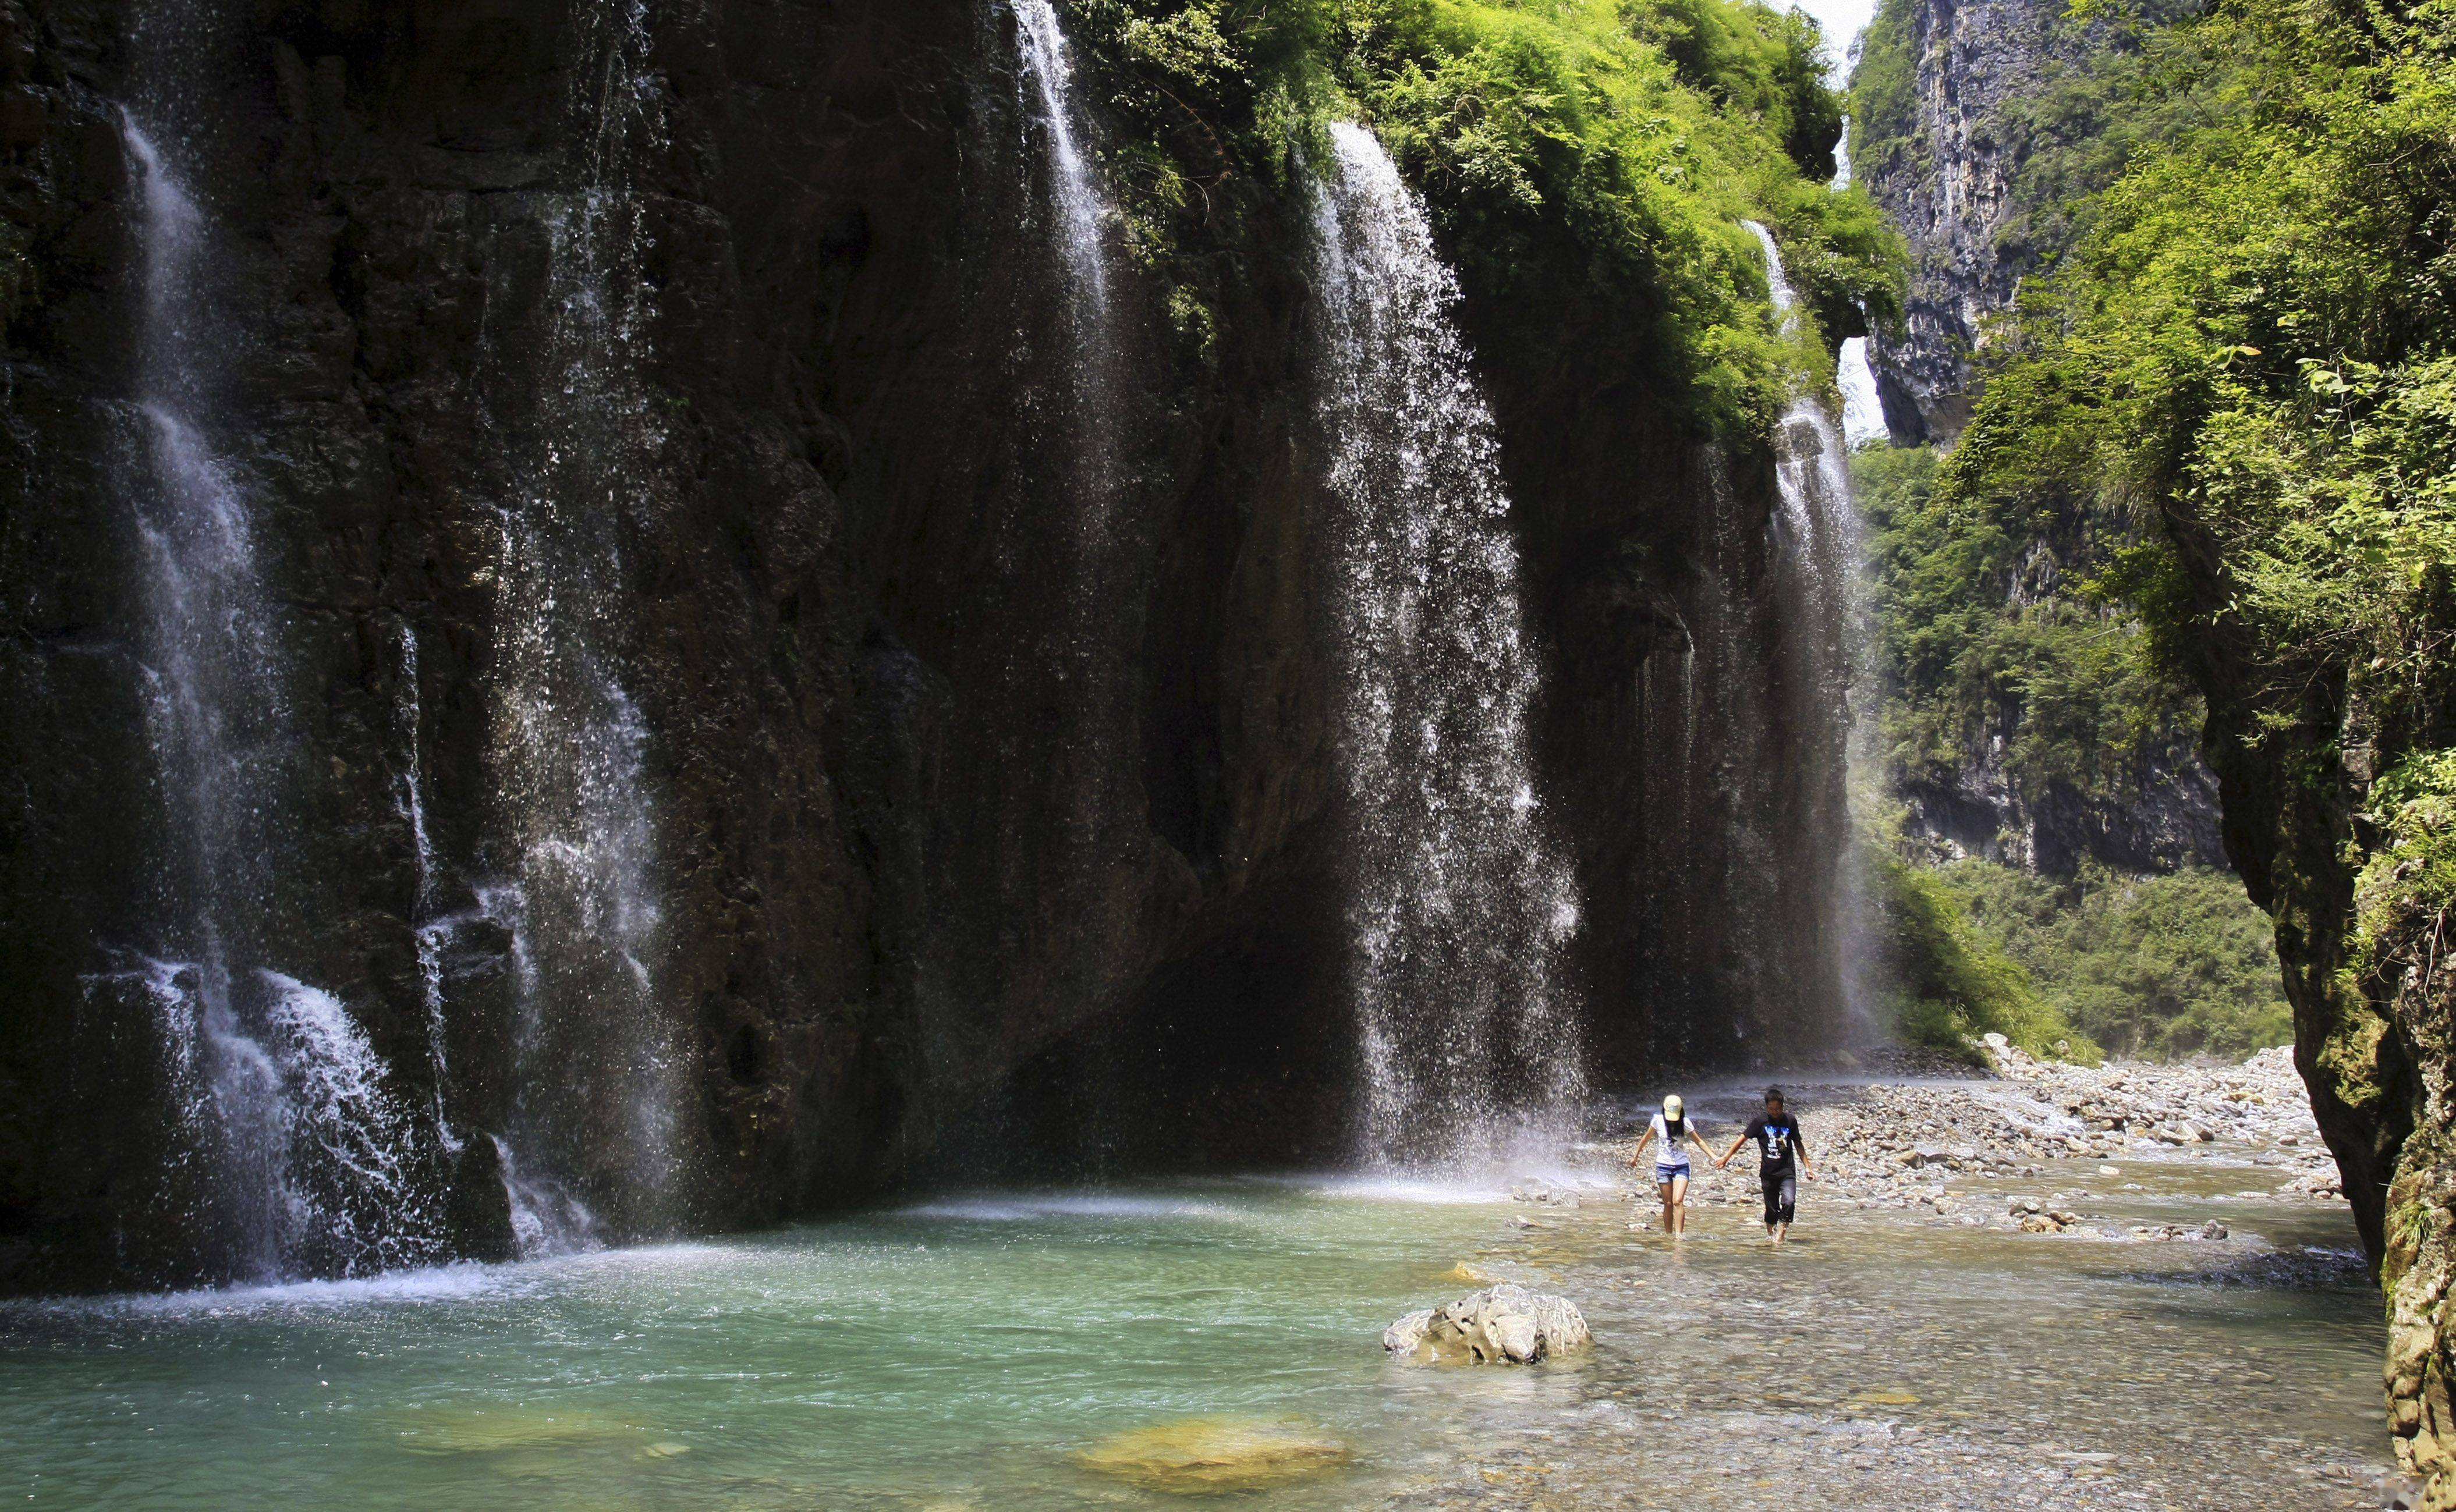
(1822, 551)
(1458, 903)
(1863, 410)
(593, 1128)
(1863, 413)
(297, 1155)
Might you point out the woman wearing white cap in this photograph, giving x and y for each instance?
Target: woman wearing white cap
(1673, 1128)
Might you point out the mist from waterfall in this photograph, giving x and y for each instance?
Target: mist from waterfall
(1458, 903)
(594, 1121)
(293, 1153)
(1823, 554)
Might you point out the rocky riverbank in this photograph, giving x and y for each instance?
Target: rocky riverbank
(1925, 1144)
(2057, 1286)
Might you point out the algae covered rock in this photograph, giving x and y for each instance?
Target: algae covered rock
(1209, 1456)
(1500, 1325)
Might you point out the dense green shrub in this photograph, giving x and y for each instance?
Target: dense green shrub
(1576, 154)
(2153, 967)
(1991, 622)
(1941, 981)
(2257, 340)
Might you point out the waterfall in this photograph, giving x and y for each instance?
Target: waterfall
(1078, 423)
(305, 1161)
(598, 1062)
(1863, 414)
(409, 802)
(1082, 211)
(1458, 906)
(1822, 553)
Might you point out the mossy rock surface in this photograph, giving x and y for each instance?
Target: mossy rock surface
(1211, 1456)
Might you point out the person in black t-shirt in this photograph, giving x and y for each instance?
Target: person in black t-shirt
(1782, 1159)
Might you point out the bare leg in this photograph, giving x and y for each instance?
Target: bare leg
(1678, 1204)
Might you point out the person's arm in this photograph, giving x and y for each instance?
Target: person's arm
(1643, 1140)
(1725, 1158)
(1806, 1170)
(1703, 1148)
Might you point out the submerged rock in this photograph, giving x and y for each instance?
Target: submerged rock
(1210, 1456)
(497, 1430)
(1500, 1325)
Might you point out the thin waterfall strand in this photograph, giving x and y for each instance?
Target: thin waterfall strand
(596, 1061)
(1823, 555)
(1081, 210)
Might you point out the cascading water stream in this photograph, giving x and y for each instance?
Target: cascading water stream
(1863, 412)
(1082, 211)
(1823, 550)
(594, 1123)
(1458, 906)
(304, 1158)
(1078, 427)
(431, 931)
(1086, 411)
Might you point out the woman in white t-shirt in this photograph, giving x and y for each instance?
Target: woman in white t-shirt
(1673, 1132)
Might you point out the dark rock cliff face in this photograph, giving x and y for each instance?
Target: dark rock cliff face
(958, 862)
(2172, 821)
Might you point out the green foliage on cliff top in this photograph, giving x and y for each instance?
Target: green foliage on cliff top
(1946, 982)
(2155, 967)
(1989, 624)
(1884, 96)
(1586, 156)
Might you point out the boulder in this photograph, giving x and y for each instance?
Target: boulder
(1500, 1325)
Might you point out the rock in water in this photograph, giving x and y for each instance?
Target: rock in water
(1500, 1325)
(1206, 1456)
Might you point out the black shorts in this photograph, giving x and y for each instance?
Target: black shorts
(1781, 1192)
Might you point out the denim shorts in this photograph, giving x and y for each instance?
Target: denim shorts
(1664, 1173)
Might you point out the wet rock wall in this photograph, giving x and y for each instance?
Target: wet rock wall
(949, 866)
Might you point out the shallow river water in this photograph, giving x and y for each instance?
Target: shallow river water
(962, 1352)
